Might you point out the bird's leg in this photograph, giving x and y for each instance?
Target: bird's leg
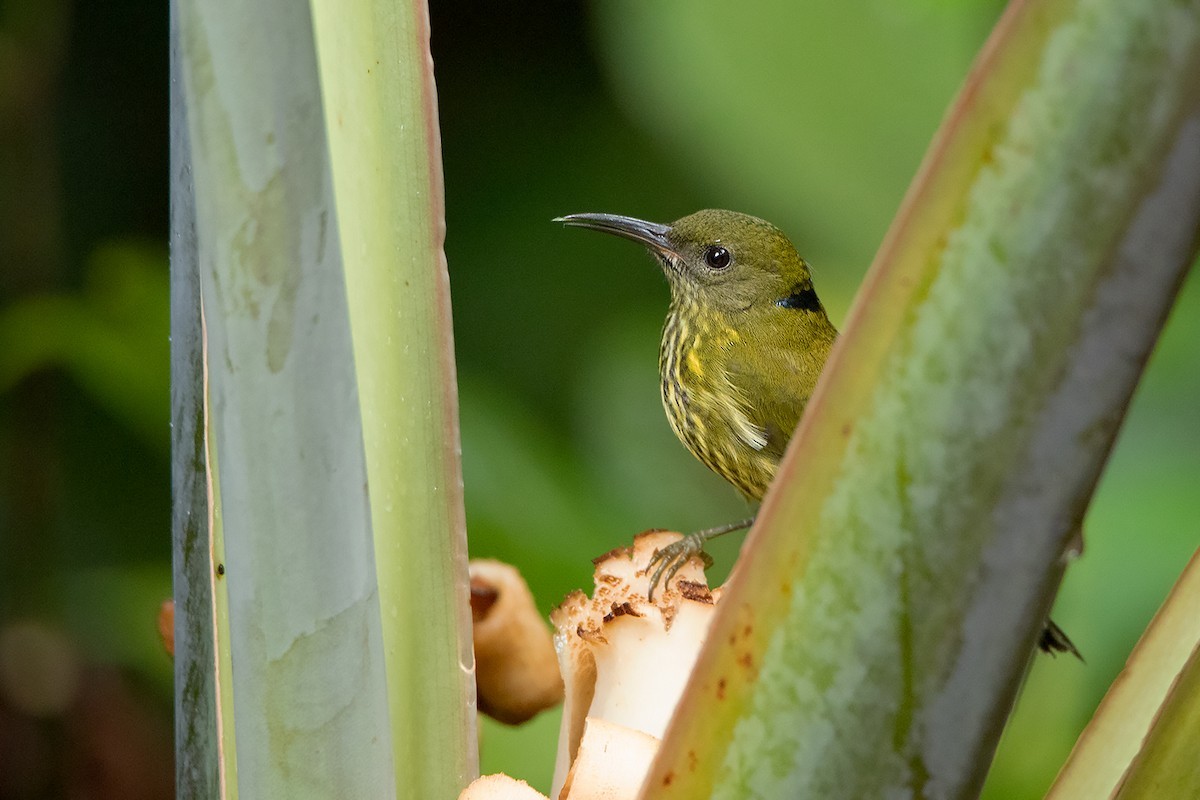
(669, 559)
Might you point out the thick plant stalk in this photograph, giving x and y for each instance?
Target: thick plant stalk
(381, 118)
(322, 629)
(197, 758)
(882, 613)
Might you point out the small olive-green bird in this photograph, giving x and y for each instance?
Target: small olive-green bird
(742, 348)
(743, 345)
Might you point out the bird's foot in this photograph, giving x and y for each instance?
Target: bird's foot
(668, 560)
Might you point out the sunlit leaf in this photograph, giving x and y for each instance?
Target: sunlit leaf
(885, 605)
(322, 628)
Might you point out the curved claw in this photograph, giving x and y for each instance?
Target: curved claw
(670, 559)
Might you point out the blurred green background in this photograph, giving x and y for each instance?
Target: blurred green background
(813, 114)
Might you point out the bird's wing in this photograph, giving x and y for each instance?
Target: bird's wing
(774, 387)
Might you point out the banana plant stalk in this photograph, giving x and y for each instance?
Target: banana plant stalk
(885, 606)
(322, 627)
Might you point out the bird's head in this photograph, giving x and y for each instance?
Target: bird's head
(718, 260)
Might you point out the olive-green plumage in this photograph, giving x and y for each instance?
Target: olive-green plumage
(744, 340)
(743, 345)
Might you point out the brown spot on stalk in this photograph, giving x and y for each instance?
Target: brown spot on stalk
(691, 590)
(620, 610)
(592, 635)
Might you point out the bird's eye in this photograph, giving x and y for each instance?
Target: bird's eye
(717, 257)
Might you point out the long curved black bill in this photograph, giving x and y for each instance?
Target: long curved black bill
(651, 234)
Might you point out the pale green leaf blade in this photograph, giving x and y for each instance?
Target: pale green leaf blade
(320, 543)
(1134, 706)
(881, 616)
(1167, 765)
(381, 115)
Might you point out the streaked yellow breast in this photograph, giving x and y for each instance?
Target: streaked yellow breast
(705, 409)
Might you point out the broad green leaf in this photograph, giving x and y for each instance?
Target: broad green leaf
(385, 151)
(320, 545)
(880, 620)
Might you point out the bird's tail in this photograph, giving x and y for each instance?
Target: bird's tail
(1054, 640)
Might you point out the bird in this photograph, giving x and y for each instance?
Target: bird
(744, 342)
